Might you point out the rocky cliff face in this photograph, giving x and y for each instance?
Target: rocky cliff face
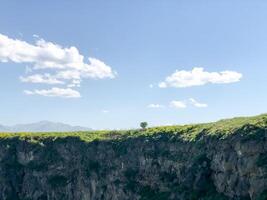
(156, 167)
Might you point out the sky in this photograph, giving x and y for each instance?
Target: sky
(112, 64)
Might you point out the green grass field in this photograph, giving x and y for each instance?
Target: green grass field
(222, 128)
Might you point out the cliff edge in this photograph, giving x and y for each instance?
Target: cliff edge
(214, 161)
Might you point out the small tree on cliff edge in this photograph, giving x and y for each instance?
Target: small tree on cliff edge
(143, 125)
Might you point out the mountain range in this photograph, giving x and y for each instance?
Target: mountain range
(43, 126)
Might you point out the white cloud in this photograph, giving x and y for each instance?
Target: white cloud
(75, 83)
(69, 75)
(41, 78)
(197, 104)
(197, 77)
(178, 104)
(55, 92)
(105, 111)
(66, 64)
(98, 69)
(35, 36)
(155, 106)
(186, 103)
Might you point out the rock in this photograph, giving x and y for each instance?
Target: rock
(136, 168)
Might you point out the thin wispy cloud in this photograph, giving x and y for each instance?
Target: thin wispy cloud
(55, 92)
(41, 78)
(66, 65)
(187, 103)
(178, 104)
(198, 76)
(155, 106)
(197, 104)
(74, 83)
(105, 111)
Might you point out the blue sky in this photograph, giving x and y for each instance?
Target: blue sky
(135, 44)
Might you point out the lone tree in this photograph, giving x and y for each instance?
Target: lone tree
(143, 125)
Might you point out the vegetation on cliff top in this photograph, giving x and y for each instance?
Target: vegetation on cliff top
(221, 129)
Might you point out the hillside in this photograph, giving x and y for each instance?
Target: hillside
(42, 126)
(221, 160)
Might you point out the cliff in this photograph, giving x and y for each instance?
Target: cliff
(215, 161)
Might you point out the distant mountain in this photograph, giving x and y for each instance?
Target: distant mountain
(43, 126)
(3, 128)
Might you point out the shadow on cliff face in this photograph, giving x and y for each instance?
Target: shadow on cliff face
(158, 167)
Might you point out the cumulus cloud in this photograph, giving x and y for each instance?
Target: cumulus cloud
(155, 106)
(55, 92)
(178, 104)
(66, 64)
(197, 77)
(197, 104)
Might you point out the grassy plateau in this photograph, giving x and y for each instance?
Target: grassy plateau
(222, 129)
